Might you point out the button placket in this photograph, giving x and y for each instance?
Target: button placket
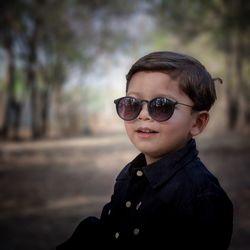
(138, 205)
(136, 231)
(117, 235)
(139, 173)
(128, 204)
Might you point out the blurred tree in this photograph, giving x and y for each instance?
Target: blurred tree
(50, 46)
(9, 31)
(48, 37)
(235, 25)
(228, 23)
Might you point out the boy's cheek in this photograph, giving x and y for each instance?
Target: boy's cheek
(129, 126)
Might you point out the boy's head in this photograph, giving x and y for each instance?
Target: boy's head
(192, 76)
(168, 96)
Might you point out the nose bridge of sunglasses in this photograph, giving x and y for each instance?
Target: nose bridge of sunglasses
(144, 102)
(144, 108)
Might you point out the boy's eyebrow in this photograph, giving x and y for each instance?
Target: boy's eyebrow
(160, 95)
(133, 93)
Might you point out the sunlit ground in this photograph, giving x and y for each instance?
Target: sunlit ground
(48, 187)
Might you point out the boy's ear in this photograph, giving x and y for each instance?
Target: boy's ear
(200, 122)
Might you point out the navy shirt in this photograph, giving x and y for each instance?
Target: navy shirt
(174, 203)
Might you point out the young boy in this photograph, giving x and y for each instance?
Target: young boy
(165, 198)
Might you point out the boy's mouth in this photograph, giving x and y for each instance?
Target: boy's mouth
(145, 130)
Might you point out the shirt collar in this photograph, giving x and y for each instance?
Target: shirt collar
(162, 170)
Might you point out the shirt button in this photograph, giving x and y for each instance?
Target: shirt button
(128, 204)
(109, 211)
(139, 173)
(136, 231)
(138, 205)
(117, 235)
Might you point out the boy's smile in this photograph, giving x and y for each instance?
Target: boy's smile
(146, 132)
(155, 139)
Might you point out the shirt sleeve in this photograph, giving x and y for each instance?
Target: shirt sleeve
(214, 221)
(86, 233)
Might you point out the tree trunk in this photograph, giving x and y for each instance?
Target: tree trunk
(31, 81)
(44, 112)
(239, 60)
(231, 92)
(10, 99)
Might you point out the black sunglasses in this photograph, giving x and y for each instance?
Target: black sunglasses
(160, 108)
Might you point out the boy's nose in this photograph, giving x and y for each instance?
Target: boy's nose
(144, 115)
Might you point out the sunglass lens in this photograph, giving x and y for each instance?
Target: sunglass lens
(128, 108)
(161, 109)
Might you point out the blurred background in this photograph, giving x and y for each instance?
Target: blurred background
(62, 63)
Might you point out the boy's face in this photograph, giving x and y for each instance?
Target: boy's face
(171, 134)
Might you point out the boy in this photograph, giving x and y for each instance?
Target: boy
(165, 198)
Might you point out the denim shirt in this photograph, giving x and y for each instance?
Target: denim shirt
(174, 203)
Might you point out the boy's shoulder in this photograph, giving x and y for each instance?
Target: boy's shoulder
(197, 171)
(197, 178)
(192, 184)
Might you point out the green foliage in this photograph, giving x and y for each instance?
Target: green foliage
(20, 90)
(2, 85)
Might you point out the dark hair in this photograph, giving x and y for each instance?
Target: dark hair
(194, 79)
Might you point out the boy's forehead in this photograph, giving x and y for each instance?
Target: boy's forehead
(147, 85)
(157, 79)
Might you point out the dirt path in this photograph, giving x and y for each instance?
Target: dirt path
(48, 187)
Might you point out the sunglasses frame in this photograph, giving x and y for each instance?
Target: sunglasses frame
(142, 101)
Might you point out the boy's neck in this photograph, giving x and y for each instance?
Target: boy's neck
(150, 159)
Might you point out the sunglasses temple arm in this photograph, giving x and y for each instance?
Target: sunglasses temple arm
(185, 104)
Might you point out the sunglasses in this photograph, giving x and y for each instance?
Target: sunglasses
(160, 108)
